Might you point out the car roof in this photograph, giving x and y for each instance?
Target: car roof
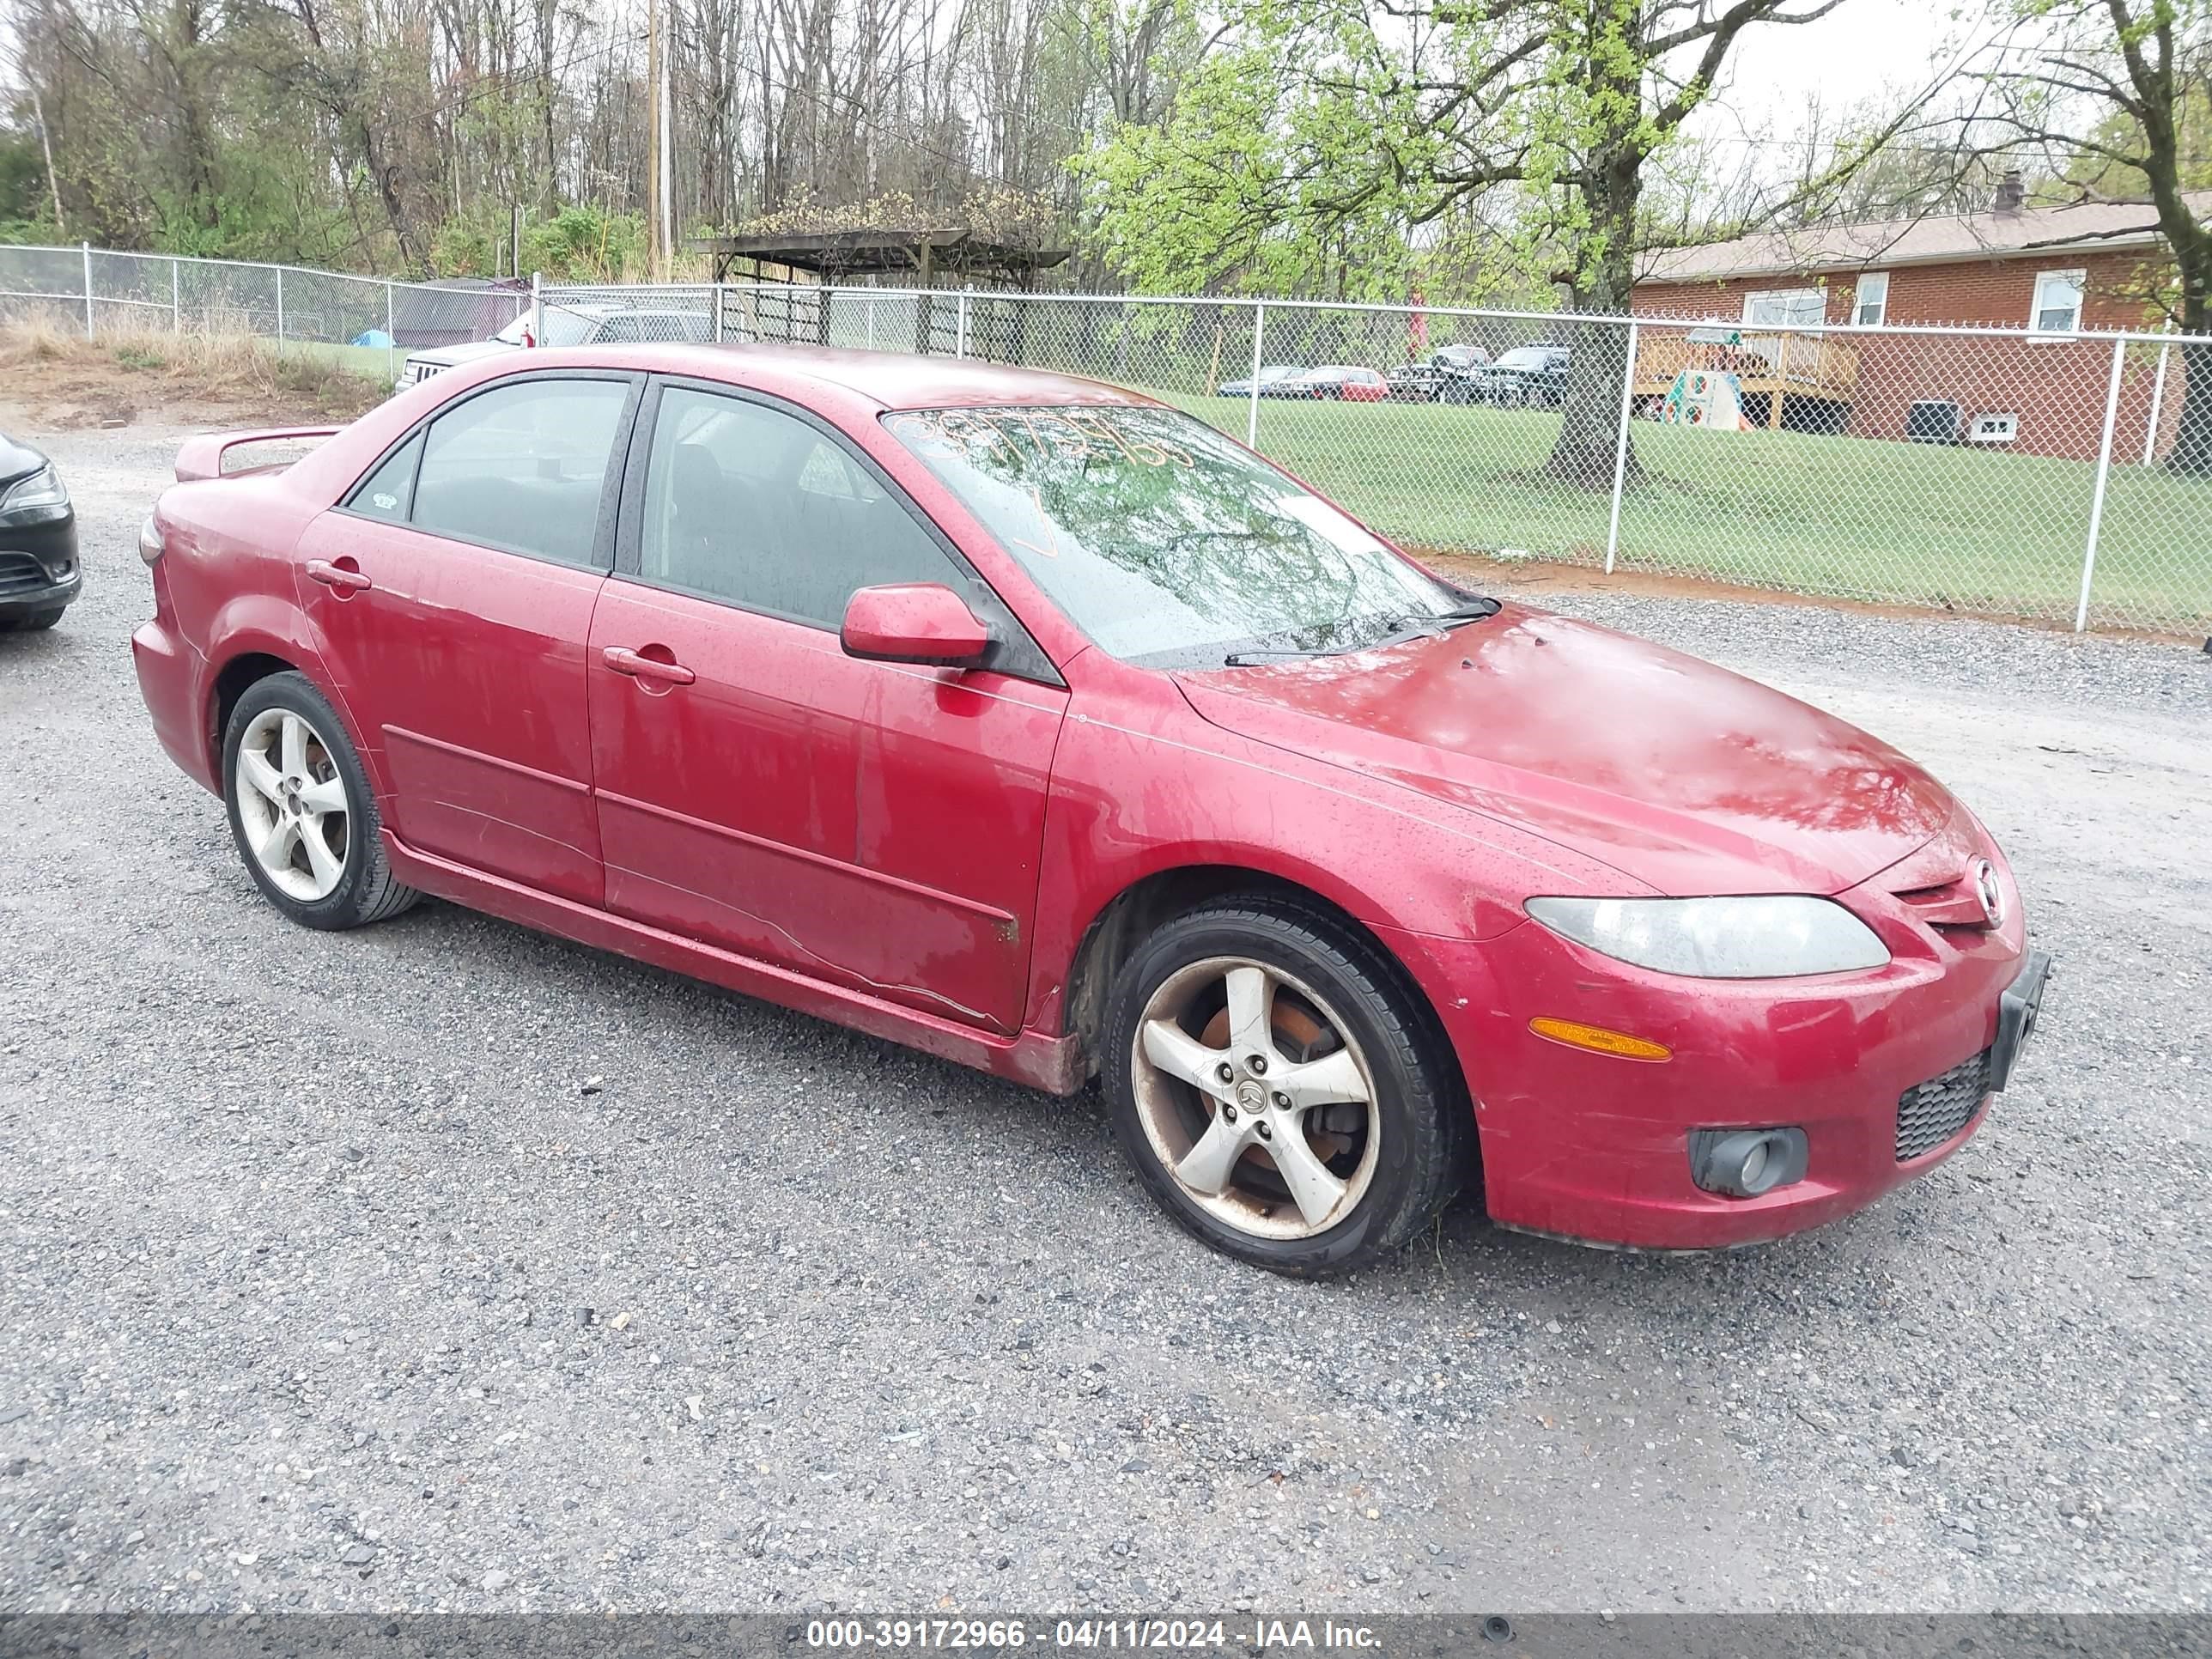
(893, 379)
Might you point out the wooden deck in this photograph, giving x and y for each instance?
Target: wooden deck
(1773, 364)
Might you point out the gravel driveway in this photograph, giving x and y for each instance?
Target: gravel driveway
(443, 1264)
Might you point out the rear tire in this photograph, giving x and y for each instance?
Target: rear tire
(1322, 1147)
(301, 812)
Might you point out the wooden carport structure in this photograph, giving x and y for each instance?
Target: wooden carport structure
(781, 306)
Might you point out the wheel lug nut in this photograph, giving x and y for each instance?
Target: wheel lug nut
(1229, 1112)
(1224, 1071)
(1258, 1063)
(1282, 1101)
(1265, 1133)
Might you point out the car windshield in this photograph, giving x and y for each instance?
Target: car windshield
(1166, 544)
(1526, 357)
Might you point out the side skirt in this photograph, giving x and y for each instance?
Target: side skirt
(1054, 1064)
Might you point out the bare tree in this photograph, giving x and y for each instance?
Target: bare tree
(2124, 84)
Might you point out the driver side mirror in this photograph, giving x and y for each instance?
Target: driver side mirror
(914, 622)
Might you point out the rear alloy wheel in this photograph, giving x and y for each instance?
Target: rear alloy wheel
(301, 808)
(1272, 1084)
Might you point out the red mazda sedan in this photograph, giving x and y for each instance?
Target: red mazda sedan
(1039, 726)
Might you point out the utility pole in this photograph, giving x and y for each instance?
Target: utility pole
(46, 144)
(656, 250)
(667, 150)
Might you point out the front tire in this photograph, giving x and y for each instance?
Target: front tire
(1280, 1090)
(301, 812)
(33, 622)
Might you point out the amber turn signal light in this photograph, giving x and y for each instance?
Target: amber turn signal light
(1599, 1040)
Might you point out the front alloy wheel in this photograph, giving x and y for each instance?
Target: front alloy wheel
(1252, 1096)
(1281, 1086)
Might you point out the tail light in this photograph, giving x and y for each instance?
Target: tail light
(150, 540)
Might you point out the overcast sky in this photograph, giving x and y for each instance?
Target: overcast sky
(1859, 51)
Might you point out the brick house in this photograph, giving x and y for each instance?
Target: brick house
(2047, 271)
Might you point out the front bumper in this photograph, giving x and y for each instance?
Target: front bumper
(39, 567)
(1595, 1148)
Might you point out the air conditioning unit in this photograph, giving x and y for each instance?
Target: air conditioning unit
(1993, 429)
(1933, 420)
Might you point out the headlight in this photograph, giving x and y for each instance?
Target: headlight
(1760, 937)
(39, 493)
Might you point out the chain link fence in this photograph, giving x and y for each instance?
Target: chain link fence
(365, 323)
(2056, 478)
(1979, 470)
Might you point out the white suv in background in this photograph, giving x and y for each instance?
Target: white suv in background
(567, 325)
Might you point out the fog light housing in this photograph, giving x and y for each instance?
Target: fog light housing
(1746, 1163)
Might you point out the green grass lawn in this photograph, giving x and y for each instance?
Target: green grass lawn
(378, 363)
(1846, 517)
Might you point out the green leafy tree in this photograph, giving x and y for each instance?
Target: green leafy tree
(1316, 140)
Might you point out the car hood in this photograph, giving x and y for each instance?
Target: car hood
(466, 352)
(1683, 776)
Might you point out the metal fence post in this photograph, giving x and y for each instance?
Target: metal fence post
(872, 321)
(280, 306)
(960, 325)
(2104, 472)
(2157, 399)
(391, 337)
(85, 248)
(176, 297)
(1620, 449)
(1252, 415)
(538, 307)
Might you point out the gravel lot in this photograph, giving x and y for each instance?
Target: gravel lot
(299, 1231)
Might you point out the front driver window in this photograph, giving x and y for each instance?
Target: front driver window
(749, 505)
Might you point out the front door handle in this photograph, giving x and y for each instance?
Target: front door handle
(623, 661)
(344, 577)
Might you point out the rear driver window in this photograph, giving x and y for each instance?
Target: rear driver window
(387, 493)
(522, 468)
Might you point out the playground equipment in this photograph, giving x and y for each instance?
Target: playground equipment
(1708, 397)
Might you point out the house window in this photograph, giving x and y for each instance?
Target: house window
(1787, 307)
(2057, 307)
(1871, 307)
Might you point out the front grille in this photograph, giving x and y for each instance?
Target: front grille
(21, 573)
(1930, 1113)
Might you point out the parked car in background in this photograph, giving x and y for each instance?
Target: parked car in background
(39, 570)
(1529, 376)
(569, 325)
(1103, 750)
(1268, 377)
(1447, 367)
(1340, 381)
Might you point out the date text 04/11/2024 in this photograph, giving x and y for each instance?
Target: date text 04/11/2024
(1150, 1635)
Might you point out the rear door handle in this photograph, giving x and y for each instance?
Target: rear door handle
(623, 661)
(331, 575)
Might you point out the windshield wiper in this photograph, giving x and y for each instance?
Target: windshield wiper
(1441, 622)
(1403, 628)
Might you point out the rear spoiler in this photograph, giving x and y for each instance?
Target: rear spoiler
(201, 457)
